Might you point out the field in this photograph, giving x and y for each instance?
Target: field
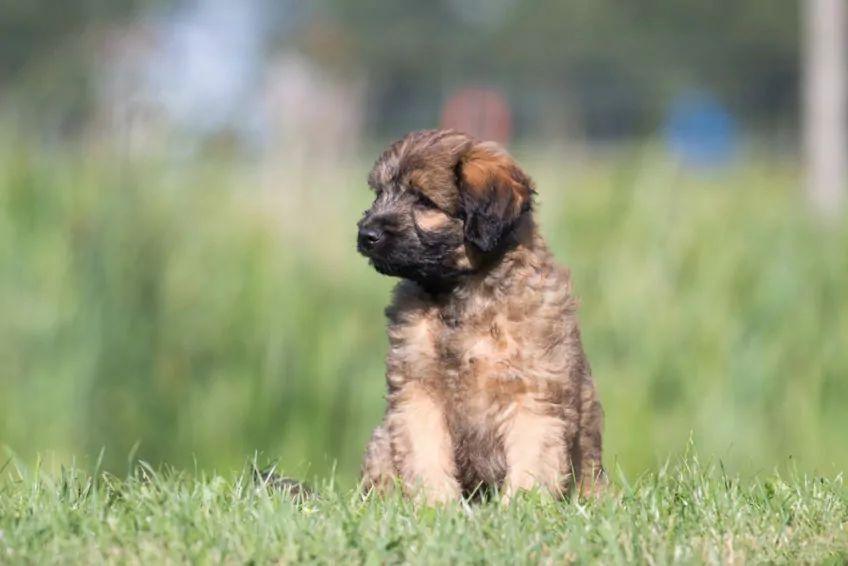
(198, 312)
(686, 512)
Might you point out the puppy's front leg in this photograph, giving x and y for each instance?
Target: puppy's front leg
(378, 471)
(421, 444)
(537, 453)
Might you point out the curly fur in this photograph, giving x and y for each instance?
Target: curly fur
(488, 384)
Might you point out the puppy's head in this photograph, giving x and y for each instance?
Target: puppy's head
(445, 204)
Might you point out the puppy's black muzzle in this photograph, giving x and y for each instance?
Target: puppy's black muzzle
(369, 237)
(373, 233)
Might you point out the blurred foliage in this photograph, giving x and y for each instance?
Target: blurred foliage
(189, 311)
(602, 69)
(49, 58)
(34, 29)
(614, 64)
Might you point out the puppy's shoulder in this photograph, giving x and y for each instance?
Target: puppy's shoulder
(556, 288)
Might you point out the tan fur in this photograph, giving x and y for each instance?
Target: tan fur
(431, 219)
(421, 444)
(533, 452)
(488, 382)
(487, 167)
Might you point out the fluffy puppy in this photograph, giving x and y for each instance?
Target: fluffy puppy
(488, 385)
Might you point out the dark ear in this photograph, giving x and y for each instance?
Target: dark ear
(493, 193)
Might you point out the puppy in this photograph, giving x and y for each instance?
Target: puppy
(488, 385)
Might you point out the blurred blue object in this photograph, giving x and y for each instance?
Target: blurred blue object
(701, 131)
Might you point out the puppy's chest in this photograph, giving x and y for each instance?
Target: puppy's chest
(475, 359)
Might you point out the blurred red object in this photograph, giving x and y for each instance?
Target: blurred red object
(479, 111)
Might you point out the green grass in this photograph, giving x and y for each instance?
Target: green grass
(204, 310)
(192, 314)
(684, 513)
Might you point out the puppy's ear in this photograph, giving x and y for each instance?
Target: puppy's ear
(493, 193)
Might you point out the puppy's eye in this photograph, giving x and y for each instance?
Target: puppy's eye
(425, 202)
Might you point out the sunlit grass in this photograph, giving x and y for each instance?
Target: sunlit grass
(686, 512)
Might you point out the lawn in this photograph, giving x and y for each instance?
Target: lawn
(192, 314)
(686, 512)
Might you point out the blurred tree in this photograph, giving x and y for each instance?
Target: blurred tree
(35, 29)
(46, 67)
(602, 69)
(620, 62)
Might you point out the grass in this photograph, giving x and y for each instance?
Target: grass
(193, 314)
(686, 512)
(204, 310)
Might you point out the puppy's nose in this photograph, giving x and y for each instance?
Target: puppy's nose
(369, 236)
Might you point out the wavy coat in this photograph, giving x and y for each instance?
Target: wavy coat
(488, 383)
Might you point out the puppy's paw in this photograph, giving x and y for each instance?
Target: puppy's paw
(438, 493)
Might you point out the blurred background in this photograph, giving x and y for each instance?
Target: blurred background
(180, 182)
